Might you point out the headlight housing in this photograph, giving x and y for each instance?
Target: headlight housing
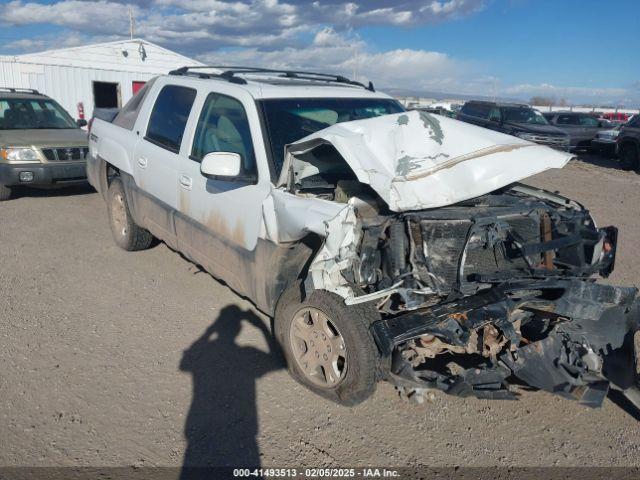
(19, 155)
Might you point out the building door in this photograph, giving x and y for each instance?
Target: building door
(106, 95)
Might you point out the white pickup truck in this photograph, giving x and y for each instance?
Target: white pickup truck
(386, 244)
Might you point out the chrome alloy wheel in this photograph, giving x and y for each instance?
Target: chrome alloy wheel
(119, 214)
(318, 347)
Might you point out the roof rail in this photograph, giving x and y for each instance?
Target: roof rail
(19, 90)
(229, 74)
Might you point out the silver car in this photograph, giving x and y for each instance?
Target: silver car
(582, 128)
(40, 144)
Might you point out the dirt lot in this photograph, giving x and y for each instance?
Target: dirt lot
(115, 358)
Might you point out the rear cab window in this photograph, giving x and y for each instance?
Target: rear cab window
(126, 118)
(169, 117)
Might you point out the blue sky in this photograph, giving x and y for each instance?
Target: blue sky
(584, 51)
(557, 41)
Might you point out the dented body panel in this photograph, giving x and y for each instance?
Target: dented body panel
(416, 160)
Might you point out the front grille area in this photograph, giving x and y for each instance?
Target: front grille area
(550, 140)
(65, 154)
(445, 242)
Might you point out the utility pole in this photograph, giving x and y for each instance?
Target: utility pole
(132, 23)
(355, 61)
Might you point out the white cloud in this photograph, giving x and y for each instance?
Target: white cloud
(224, 23)
(98, 17)
(308, 34)
(349, 56)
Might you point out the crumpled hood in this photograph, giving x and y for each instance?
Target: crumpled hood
(416, 160)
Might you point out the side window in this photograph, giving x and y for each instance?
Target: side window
(169, 116)
(567, 120)
(126, 118)
(477, 110)
(587, 121)
(494, 114)
(223, 127)
(4, 107)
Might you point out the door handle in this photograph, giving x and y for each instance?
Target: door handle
(142, 161)
(186, 182)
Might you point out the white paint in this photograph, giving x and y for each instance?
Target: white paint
(338, 252)
(416, 160)
(66, 75)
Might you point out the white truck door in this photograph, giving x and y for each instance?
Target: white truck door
(156, 159)
(219, 219)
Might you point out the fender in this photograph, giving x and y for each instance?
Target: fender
(113, 144)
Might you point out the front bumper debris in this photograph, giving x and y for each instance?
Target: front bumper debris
(571, 337)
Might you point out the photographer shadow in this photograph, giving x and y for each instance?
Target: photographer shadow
(222, 423)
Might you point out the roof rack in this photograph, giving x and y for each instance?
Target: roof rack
(229, 74)
(19, 90)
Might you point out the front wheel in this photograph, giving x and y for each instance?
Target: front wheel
(5, 192)
(629, 157)
(126, 233)
(328, 345)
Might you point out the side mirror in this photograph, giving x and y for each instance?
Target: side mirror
(81, 122)
(220, 164)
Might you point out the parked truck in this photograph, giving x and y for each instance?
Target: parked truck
(387, 245)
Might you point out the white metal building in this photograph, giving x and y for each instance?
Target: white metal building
(103, 75)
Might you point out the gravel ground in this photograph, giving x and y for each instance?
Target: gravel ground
(115, 358)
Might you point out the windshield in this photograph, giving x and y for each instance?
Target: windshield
(288, 120)
(33, 113)
(523, 115)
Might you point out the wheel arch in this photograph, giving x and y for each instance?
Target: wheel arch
(291, 266)
(630, 141)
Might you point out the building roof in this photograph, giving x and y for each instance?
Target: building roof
(134, 55)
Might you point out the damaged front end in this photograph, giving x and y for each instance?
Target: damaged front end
(480, 282)
(499, 288)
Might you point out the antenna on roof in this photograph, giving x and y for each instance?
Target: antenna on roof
(132, 23)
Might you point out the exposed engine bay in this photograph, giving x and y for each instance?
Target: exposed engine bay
(478, 293)
(496, 287)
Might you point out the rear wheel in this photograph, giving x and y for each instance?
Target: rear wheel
(328, 345)
(126, 233)
(629, 157)
(5, 193)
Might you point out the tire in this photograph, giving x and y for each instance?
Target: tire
(5, 193)
(126, 233)
(357, 373)
(629, 157)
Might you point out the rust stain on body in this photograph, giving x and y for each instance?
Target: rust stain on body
(463, 158)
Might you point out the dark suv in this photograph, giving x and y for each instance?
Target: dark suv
(628, 144)
(581, 127)
(514, 119)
